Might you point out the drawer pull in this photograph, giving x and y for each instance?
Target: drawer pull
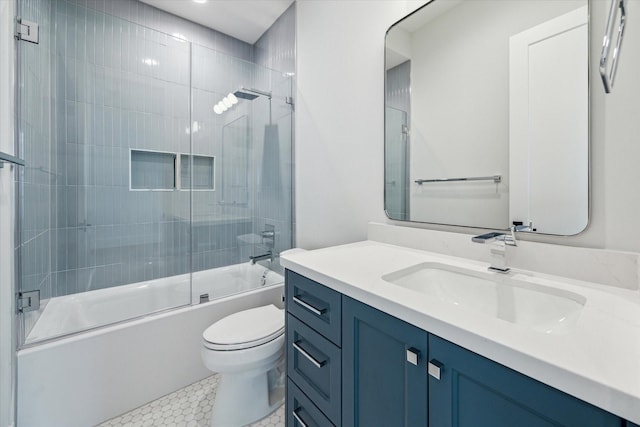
(413, 355)
(434, 368)
(302, 351)
(298, 418)
(314, 310)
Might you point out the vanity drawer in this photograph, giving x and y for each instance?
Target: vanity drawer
(301, 411)
(315, 304)
(314, 364)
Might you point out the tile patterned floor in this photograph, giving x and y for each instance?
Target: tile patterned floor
(187, 407)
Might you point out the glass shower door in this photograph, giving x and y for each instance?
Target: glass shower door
(104, 120)
(247, 211)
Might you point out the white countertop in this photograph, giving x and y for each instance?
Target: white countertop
(598, 361)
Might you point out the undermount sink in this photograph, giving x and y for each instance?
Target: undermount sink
(538, 307)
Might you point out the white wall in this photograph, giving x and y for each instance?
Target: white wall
(339, 127)
(7, 330)
(339, 117)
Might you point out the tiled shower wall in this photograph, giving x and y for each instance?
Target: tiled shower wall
(116, 89)
(118, 86)
(276, 50)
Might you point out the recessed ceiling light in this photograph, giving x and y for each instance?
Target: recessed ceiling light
(199, 1)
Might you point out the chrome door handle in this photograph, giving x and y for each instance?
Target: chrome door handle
(434, 368)
(317, 363)
(298, 418)
(314, 310)
(413, 355)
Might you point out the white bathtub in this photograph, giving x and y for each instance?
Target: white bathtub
(88, 310)
(86, 378)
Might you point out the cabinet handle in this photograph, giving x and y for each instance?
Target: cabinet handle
(298, 418)
(434, 368)
(314, 310)
(413, 355)
(302, 351)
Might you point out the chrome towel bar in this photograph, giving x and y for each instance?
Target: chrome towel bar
(608, 78)
(8, 158)
(495, 178)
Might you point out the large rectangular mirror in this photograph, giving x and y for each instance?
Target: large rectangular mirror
(487, 115)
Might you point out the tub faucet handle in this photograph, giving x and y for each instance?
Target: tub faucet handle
(254, 258)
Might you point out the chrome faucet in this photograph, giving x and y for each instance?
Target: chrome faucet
(268, 236)
(254, 258)
(499, 242)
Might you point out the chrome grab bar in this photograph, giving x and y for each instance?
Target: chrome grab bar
(8, 158)
(607, 80)
(495, 178)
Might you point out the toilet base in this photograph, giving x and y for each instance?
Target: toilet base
(243, 398)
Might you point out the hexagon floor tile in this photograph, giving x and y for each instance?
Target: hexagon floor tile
(187, 407)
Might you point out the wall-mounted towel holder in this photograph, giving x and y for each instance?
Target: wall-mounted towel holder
(495, 178)
(608, 75)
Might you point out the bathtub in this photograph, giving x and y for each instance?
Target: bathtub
(89, 377)
(80, 312)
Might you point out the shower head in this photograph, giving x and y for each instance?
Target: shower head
(250, 94)
(241, 94)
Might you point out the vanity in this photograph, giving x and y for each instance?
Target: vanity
(385, 335)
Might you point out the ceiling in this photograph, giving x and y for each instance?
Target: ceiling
(246, 20)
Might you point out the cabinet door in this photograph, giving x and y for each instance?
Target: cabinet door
(476, 392)
(380, 386)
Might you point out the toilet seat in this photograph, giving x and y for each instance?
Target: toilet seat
(245, 329)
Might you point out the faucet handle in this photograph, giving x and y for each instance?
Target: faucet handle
(487, 237)
(510, 239)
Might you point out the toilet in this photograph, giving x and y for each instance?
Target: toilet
(247, 349)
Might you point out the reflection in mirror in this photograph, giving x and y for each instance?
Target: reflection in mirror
(486, 118)
(235, 162)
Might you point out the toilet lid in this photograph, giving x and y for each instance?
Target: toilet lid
(245, 329)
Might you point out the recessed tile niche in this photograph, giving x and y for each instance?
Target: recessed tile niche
(162, 171)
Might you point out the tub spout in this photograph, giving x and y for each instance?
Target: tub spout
(255, 258)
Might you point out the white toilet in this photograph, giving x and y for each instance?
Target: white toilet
(247, 349)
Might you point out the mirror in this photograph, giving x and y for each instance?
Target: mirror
(487, 115)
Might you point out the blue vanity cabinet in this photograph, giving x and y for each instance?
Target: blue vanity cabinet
(473, 391)
(351, 365)
(314, 362)
(384, 380)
